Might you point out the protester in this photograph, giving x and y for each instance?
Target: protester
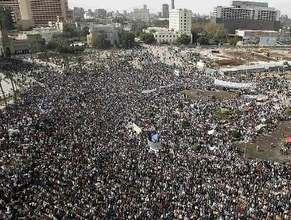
(67, 152)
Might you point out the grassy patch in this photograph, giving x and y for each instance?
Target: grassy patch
(223, 114)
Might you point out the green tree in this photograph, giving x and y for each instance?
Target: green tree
(195, 37)
(185, 124)
(137, 27)
(57, 41)
(148, 38)
(84, 31)
(63, 49)
(235, 134)
(70, 30)
(196, 147)
(198, 28)
(183, 39)
(216, 33)
(233, 41)
(284, 143)
(127, 39)
(209, 32)
(101, 42)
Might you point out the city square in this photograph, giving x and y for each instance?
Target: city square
(118, 126)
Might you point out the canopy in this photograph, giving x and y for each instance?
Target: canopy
(288, 139)
(155, 146)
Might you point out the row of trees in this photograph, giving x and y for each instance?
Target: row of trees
(209, 33)
(203, 32)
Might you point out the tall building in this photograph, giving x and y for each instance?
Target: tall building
(165, 11)
(173, 4)
(180, 21)
(20, 10)
(101, 13)
(247, 15)
(78, 12)
(39, 12)
(43, 11)
(141, 14)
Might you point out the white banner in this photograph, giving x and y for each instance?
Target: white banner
(234, 85)
(148, 91)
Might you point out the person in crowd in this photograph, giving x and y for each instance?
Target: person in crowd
(66, 151)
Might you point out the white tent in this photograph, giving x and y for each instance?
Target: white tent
(155, 146)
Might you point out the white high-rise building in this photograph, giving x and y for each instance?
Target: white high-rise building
(180, 21)
(247, 15)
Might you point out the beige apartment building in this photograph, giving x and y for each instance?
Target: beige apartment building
(20, 12)
(39, 13)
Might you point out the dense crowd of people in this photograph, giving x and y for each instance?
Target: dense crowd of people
(67, 153)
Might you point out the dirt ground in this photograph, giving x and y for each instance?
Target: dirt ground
(241, 56)
(204, 95)
(264, 142)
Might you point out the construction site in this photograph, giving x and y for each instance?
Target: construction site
(234, 57)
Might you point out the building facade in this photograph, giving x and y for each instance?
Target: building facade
(20, 43)
(165, 11)
(180, 21)
(247, 15)
(163, 35)
(39, 12)
(45, 32)
(44, 11)
(141, 14)
(112, 34)
(21, 12)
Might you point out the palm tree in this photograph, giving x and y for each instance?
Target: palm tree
(10, 76)
(2, 91)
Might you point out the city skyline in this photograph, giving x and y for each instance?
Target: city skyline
(204, 7)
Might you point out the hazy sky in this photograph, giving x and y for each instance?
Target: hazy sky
(197, 6)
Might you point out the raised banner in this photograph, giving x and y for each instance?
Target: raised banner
(148, 91)
(234, 85)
